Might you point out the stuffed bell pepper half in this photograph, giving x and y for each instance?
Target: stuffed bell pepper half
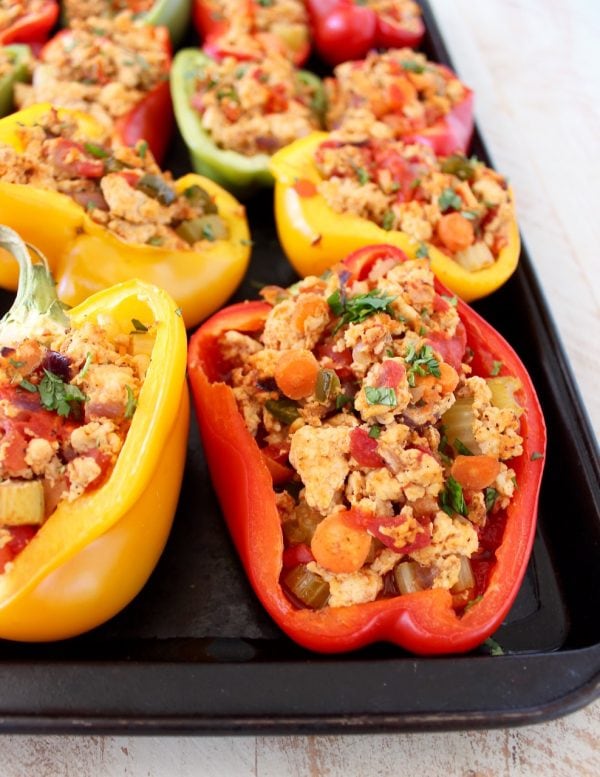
(377, 450)
(235, 114)
(248, 28)
(27, 21)
(333, 195)
(172, 14)
(94, 422)
(114, 69)
(104, 213)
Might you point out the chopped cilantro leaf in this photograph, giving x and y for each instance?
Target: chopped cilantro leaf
(493, 647)
(387, 222)
(422, 362)
(363, 176)
(473, 602)
(496, 367)
(25, 384)
(381, 396)
(93, 149)
(57, 395)
(375, 431)
(449, 199)
(422, 251)
(142, 149)
(356, 309)
(450, 300)
(16, 364)
(341, 400)
(536, 455)
(452, 499)
(413, 67)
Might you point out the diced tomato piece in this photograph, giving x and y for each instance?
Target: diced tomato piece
(297, 554)
(341, 361)
(364, 449)
(361, 262)
(71, 159)
(451, 349)
(276, 460)
(21, 536)
(421, 540)
(390, 374)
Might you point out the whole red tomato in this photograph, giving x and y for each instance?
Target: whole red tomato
(348, 32)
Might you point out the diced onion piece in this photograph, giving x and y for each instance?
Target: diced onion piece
(309, 588)
(503, 389)
(407, 577)
(466, 579)
(475, 257)
(458, 424)
(21, 502)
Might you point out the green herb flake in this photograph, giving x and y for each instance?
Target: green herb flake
(362, 175)
(449, 199)
(341, 400)
(462, 448)
(16, 364)
(142, 149)
(155, 240)
(536, 455)
(178, 312)
(450, 300)
(356, 309)
(208, 232)
(490, 498)
(422, 362)
(452, 499)
(93, 149)
(422, 251)
(387, 222)
(86, 365)
(375, 431)
(25, 384)
(471, 215)
(381, 396)
(57, 395)
(493, 647)
(131, 404)
(473, 602)
(413, 67)
(496, 367)
(138, 326)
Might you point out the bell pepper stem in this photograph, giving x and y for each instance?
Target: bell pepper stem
(36, 302)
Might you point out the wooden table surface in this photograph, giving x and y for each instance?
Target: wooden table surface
(535, 68)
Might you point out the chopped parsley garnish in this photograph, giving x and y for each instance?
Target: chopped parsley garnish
(449, 199)
(356, 309)
(422, 251)
(208, 232)
(229, 94)
(155, 240)
(496, 367)
(375, 431)
(131, 404)
(178, 312)
(450, 300)
(57, 395)
(25, 384)
(381, 396)
(422, 362)
(16, 364)
(490, 498)
(462, 448)
(412, 66)
(363, 176)
(96, 151)
(142, 149)
(536, 455)
(387, 222)
(138, 326)
(452, 499)
(471, 215)
(86, 366)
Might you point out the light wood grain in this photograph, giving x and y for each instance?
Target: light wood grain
(536, 70)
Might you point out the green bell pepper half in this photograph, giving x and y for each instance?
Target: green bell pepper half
(236, 172)
(20, 54)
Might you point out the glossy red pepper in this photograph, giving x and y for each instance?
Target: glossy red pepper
(151, 119)
(31, 28)
(423, 622)
(345, 29)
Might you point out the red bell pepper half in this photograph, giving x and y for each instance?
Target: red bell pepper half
(423, 622)
(151, 119)
(222, 38)
(33, 27)
(346, 29)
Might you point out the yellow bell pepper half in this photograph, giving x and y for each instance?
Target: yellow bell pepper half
(94, 554)
(314, 236)
(85, 257)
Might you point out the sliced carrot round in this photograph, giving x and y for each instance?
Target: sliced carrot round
(296, 373)
(475, 472)
(338, 546)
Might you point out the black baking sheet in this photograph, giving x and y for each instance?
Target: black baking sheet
(195, 652)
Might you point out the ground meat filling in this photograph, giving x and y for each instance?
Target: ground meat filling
(66, 404)
(390, 459)
(455, 203)
(390, 95)
(121, 188)
(103, 66)
(255, 108)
